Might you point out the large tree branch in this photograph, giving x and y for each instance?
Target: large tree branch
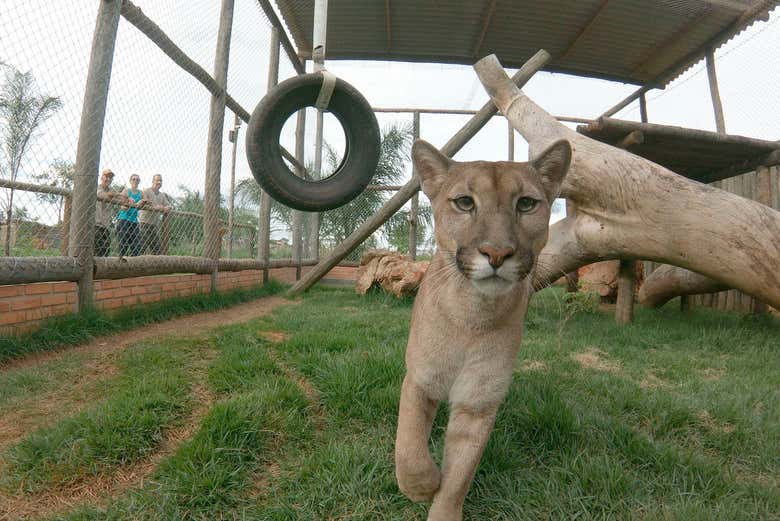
(629, 207)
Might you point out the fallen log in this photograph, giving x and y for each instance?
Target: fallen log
(631, 208)
(668, 282)
(394, 272)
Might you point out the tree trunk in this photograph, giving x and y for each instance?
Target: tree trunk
(631, 208)
(9, 216)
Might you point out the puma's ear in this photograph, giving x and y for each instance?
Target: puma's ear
(431, 165)
(552, 165)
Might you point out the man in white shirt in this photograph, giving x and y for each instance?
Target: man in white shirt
(150, 216)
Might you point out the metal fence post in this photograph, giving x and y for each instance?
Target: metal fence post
(93, 113)
(211, 225)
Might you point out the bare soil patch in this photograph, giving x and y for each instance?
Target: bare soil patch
(597, 360)
(103, 350)
(533, 365)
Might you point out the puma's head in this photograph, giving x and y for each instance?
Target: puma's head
(491, 218)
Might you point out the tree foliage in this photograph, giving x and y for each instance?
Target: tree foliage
(22, 111)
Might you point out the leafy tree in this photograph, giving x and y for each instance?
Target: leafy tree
(396, 228)
(22, 111)
(60, 175)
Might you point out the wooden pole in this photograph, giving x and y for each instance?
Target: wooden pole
(165, 234)
(414, 208)
(67, 207)
(643, 108)
(469, 130)
(510, 142)
(720, 123)
(232, 200)
(319, 41)
(211, 196)
(93, 113)
(264, 219)
(763, 196)
(297, 217)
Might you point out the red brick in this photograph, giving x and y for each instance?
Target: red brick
(35, 314)
(54, 299)
(38, 288)
(72, 298)
(104, 294)
(12, 317)
(11, 291)
(25, 303)
(149, 298)
(63, 287)
(168, 286)
(5, 306)
(139, 290)
(112, 304)
(110, 284)
(123, 292)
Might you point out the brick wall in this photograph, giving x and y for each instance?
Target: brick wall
(23, 306)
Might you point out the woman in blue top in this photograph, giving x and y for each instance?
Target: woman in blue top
(127, 220)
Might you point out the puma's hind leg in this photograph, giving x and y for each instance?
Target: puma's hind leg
(417, 474)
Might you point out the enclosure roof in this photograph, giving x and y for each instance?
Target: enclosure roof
(634, 41)
(697, 154)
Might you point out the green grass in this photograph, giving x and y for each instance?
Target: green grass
(151, 393)
(673, 417)
(78, 328)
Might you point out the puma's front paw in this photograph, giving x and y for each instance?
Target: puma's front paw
(438, 512)
(418, 480)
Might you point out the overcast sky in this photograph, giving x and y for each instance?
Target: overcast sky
(158, 115)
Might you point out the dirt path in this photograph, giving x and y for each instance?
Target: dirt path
(103, 351)
(187, 325)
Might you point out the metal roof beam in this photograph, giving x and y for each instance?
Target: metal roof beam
(288, 47)
(586, 29)
(657, 52)
(388, 25)
(485, 24)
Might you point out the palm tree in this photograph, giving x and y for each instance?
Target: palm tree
(22, 111)
(336, 225)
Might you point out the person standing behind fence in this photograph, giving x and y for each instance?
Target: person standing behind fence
(127, 220)
(103, 211)
(156, 204)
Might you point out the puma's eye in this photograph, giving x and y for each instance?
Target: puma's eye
(464, 203)
(526, 204)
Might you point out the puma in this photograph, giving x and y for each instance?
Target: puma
(491, 221)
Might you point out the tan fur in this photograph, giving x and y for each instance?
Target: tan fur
(468, 316)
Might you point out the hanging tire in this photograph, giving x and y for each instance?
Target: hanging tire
(264, 152)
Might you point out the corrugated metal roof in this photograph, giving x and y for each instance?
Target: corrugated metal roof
(634, 41)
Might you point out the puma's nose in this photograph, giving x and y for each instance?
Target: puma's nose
(496, 256)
